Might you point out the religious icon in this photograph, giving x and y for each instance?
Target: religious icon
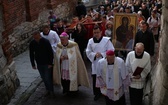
(125, 28)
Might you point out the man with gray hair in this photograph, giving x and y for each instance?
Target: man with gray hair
(69, 69)
(138, 64)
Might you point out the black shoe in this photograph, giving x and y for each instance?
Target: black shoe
(47, 93)
(64, 92)
(51, 95)
(96, 97)
(72, 93)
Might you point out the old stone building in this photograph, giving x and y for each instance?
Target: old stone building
(160, 78)
(18, 19)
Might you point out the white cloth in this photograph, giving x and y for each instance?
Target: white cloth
(132, 63)
(113, 77)
(108, 33)
(75, 67)
(65, 65)
(92, 48)
(154, 24)
(53, 39)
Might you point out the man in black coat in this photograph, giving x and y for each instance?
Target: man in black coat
(145, 11)
(41, 57)
(81, 9)
(146, 37)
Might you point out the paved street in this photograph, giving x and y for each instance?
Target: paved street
(93, 2)
(83, 97)
(29, 79)
(32, 91)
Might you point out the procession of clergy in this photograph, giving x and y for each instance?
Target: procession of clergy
(60, 62)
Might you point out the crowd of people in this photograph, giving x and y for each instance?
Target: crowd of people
(60, 61)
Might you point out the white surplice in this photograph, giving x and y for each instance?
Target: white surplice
(132, 63)
(92, 48)
(65, 65)
(53, 39)
(112, 79)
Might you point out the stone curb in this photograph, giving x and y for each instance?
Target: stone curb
(25, 96)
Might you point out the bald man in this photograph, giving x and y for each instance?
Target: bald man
(139, 65)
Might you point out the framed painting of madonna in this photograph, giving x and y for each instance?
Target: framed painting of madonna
(124, 30)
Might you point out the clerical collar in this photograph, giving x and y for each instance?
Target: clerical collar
(97, 41)
(47, 33)
(140, 56)
(110, 63)
(144, 31)
(65, 45)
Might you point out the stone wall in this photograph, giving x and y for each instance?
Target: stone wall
(8, 83)
(13, 15)
(33, 8)
(160, 82)
(20, 18)
(3, 60)
(21, 35)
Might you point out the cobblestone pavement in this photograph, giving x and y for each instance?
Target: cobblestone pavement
(83, 97)
(29, 79)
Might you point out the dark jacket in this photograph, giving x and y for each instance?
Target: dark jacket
(79, 37)
(147, 39)
(145, 13)
(81, 10)
(41, 52)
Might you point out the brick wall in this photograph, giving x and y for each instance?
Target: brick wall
(20, 18)
(34, 7)
(13, 15)
(16, 12)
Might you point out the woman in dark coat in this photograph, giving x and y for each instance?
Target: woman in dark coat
(79, 36)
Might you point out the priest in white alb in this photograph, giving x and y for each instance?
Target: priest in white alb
(112, 78)
(138, 64)
(69, 69)
(96, 49)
